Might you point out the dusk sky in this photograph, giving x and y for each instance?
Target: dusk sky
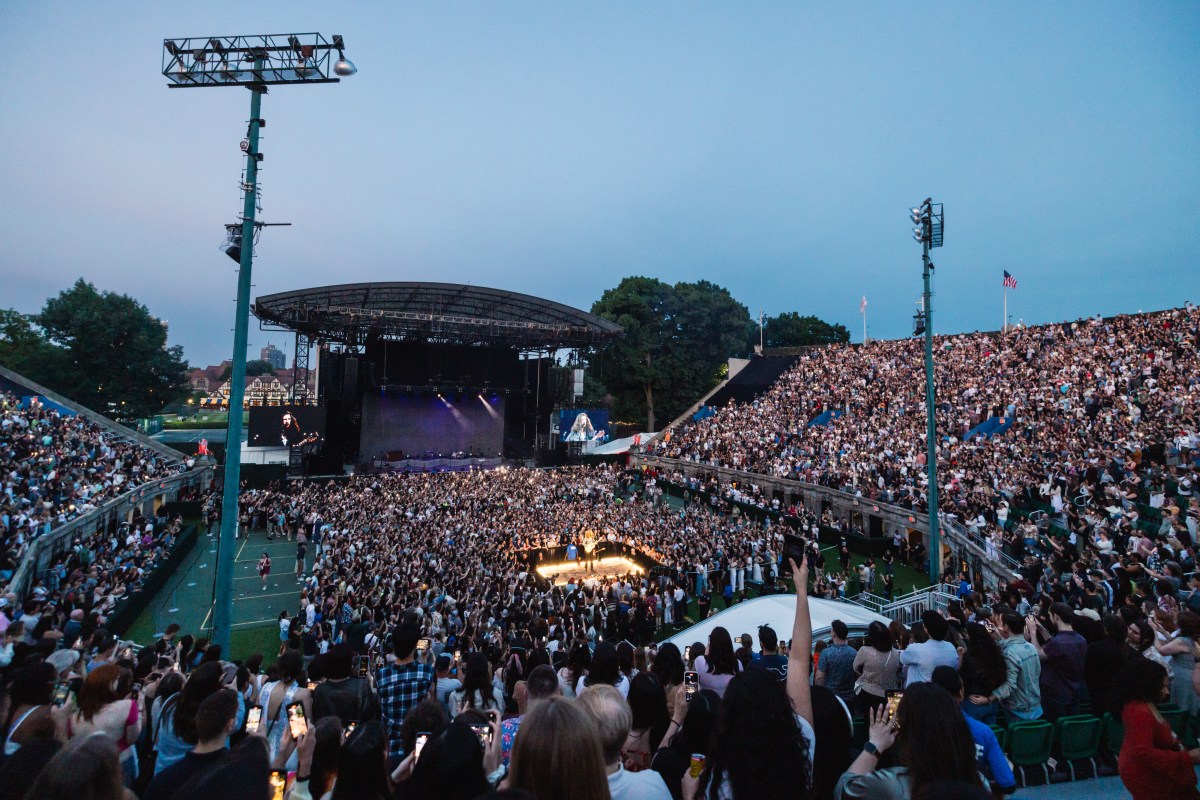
(556, 148)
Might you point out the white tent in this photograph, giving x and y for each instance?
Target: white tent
(618, 446)
(778, 611)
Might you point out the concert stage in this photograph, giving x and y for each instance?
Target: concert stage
(607, 567)
(418, 368)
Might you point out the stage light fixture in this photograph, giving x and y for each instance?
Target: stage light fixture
(344, 66)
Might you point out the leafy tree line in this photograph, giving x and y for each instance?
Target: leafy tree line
(101, 349)
(677, 339)
(106, 351)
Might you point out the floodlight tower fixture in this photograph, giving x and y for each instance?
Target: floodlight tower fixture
(929, 220)
(254, 62)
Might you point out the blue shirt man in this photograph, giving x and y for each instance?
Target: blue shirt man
(992, 762)
(835, 669)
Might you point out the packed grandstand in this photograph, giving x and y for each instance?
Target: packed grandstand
(425, 654)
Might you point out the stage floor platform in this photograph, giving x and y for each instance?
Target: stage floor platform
(607, 567)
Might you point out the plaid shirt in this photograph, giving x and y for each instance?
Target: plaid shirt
(400, 689)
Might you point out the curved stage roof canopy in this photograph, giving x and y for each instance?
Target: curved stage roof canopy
(439, 312)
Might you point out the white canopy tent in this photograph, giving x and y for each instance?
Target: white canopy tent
(778, 611)
(617, 446)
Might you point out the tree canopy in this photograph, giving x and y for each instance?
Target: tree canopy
(792, 330)
(675, 344)
(254, 367)
(101, 349)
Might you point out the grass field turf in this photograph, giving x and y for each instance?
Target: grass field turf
(187, 598)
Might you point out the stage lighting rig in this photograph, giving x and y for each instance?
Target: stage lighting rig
(254, 62)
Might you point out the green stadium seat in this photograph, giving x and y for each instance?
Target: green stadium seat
(1114, 733)
(1030, 745)
(1078, 740)
(1001, 736)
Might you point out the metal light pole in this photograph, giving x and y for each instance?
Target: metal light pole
(930, 219)
(222, 61)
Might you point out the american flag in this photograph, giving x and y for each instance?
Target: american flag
(862, 307)
(1009, 281)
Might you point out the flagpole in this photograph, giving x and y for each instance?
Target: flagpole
(1004, 322)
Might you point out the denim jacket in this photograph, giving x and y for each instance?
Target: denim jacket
(1020, 692)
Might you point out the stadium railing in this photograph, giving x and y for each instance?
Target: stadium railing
(45, 548)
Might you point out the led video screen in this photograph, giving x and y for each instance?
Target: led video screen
(287, 426)
(583, 424)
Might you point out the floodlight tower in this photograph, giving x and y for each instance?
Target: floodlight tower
(929, 219)
(253, 62)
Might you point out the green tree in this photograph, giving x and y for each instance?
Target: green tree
(257, 367)
(676, 341)
(792, 330)
(22, 347)
(107, 352)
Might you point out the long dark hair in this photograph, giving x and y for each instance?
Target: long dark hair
(32, 686)
(719, 655)
(668, 665)
(325, 754)
(1140, 681)
(477, 678)
(648, 702)
(985, 656)
(578, 661)
(698, 725)
(451, 766)
(757, 743)
(604, 667)
(625, 659)
(934, 741)
(362, 773)
(879, 637)
(203, 681)
(832, 748)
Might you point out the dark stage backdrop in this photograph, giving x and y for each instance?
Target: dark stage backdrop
(417, 424)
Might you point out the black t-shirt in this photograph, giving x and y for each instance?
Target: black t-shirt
(173, 778)
(350, 699)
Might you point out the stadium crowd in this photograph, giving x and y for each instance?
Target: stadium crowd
(472, 540)
(426, 656)
(57, 466)
(1101, 411)
(422, 707)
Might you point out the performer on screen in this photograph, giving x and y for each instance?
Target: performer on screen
(292, 435)
(581, 429)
